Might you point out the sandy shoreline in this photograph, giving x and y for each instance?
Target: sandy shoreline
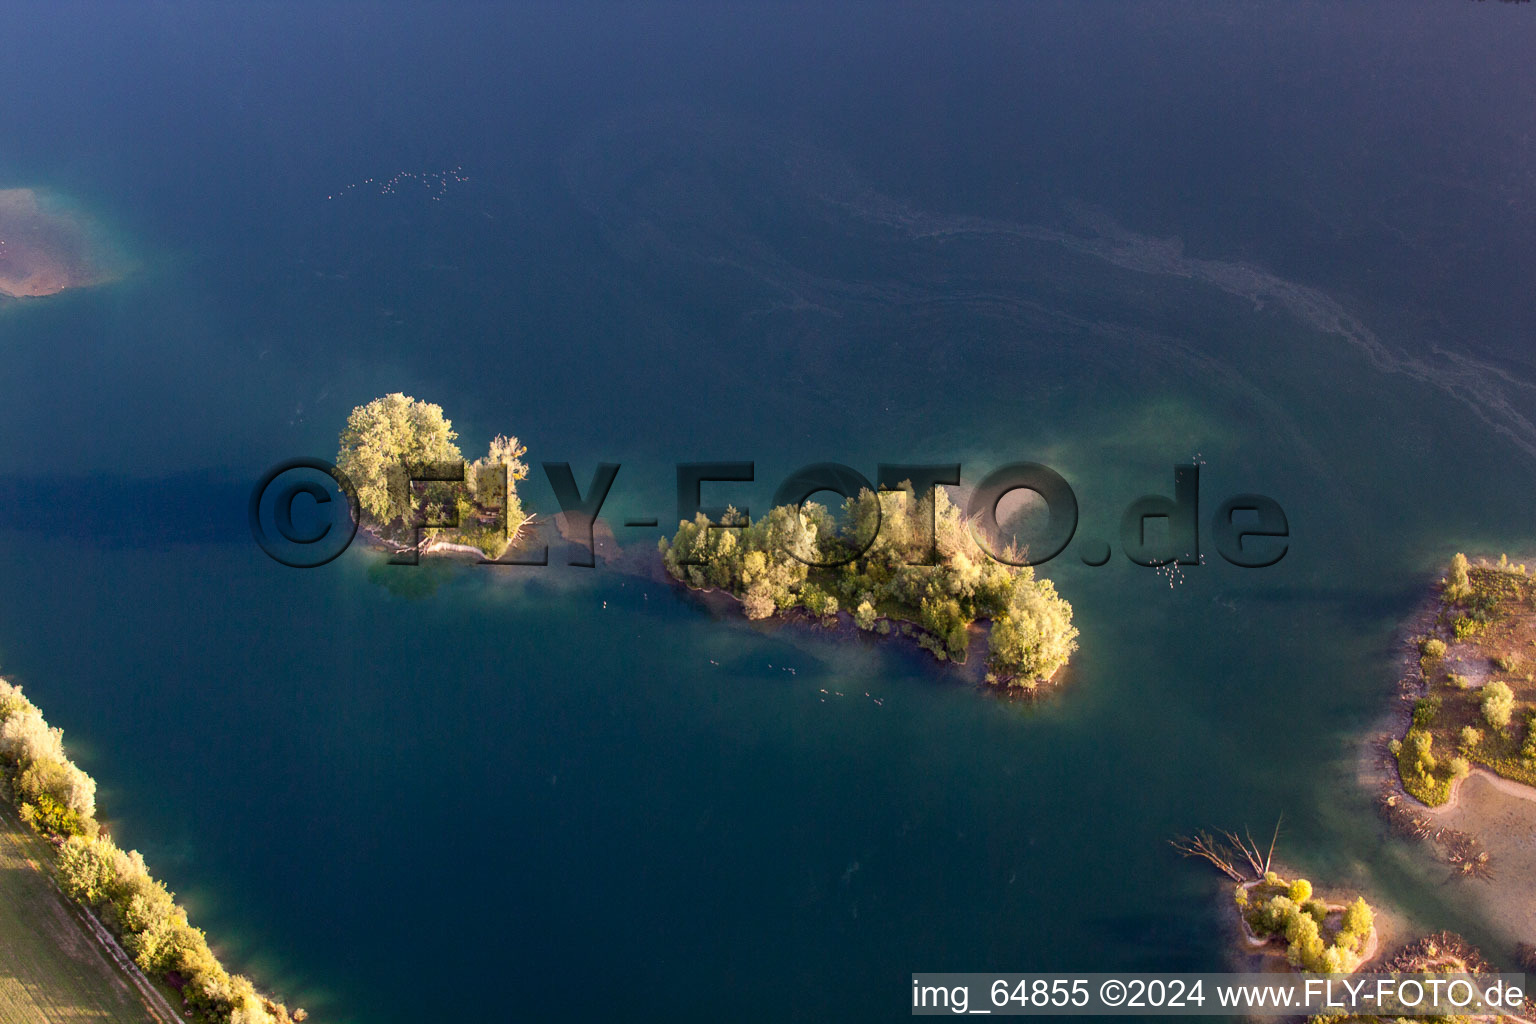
(1502, 814)
(1518, 790)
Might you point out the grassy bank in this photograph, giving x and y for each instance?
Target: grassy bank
(51, 967)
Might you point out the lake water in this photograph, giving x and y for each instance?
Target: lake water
(1292, 246)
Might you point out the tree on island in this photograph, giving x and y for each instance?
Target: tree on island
(381, 439)
(390, 437)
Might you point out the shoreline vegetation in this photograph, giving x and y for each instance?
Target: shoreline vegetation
(113, 887)
(905, 565)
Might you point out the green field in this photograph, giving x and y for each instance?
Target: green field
(51, 968)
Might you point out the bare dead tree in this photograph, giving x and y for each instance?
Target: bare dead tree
(1273, 839)
(1225, 852)
(1213, 851)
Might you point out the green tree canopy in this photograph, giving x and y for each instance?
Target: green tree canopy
(380, 439)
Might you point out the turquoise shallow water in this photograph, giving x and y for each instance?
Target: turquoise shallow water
(533, 793)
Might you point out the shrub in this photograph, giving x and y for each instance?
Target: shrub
(1356, 925)
(49, 816)
(1301, 926)
(87, 869)
(958, 642)
(1432, 647)
(1460, 767)
(1425, 710)
(25, 738)
(1358, 917)
(1300, 891)
(1458, 681)
(1421, 749)
(1458, 585)
(1505, 663)
(817, 601)
(11, 701)
(758, 602)
(1419, 768)
(1272, 916)
(1465, 627)
(1306, 949)
(1498, 704)
(63, 782)
(1470, 738)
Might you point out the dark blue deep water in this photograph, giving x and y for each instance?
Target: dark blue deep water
(1291, 241)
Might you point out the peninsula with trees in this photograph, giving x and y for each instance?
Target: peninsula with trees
(1457, 772)
(1475, 682)
(902, 563)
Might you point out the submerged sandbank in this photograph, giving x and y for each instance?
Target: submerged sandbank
(46, 247)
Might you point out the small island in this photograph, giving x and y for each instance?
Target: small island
(393, 439)
(44, 248)
(902, 563)
(1278, 916)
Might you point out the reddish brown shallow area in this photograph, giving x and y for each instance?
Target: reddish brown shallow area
(43, 251)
